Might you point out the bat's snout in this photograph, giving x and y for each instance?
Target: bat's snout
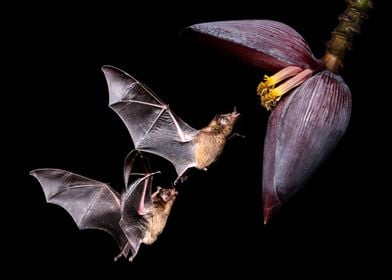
(235, 114)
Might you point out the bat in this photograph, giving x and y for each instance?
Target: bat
(155, 128)
(136, 216)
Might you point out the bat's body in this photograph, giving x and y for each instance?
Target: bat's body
(135, 217)
(163, 200)
(154, 128)
(210, 141)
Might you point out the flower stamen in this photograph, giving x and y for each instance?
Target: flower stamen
(270, 94)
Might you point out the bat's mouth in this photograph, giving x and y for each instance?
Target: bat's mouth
(235, 114)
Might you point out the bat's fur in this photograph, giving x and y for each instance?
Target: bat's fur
(210, 141)
(163, 200)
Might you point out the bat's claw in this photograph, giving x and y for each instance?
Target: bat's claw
(180, 180)
(117, 257)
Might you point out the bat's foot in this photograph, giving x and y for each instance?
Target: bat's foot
(235, 135)
(118, 256)
(180, 180)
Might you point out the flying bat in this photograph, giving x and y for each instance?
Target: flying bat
(136, 216)
(155, 128)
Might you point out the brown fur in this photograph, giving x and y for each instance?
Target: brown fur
(208, 148)
(157, 218)
(210, 141)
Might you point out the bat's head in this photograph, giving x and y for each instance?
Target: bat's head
(167, 195)
(224, 123)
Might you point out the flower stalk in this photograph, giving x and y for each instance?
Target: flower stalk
(341, 41)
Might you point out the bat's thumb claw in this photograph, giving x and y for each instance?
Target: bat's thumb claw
(117, 257)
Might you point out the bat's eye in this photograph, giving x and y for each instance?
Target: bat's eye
(223, 120)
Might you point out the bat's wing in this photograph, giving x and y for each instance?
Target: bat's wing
(135, 207)
(154, 128)
(92, 204)
(129, 164)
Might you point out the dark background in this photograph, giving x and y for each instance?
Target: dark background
(58, 117)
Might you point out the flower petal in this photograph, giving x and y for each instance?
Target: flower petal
(266, 44)
(302, 130)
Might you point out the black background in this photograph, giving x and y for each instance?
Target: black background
(58, 117)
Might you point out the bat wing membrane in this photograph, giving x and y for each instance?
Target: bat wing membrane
(95, 205)
(136, 205)
(91, 204)
(153, 127)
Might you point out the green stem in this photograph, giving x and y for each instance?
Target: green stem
(349, 24)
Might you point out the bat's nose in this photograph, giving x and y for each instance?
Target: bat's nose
(235, 114)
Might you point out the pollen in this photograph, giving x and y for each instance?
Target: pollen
(272, 88)
(270, 98)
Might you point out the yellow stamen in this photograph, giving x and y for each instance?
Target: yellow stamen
(269, 99)
(270, 94)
